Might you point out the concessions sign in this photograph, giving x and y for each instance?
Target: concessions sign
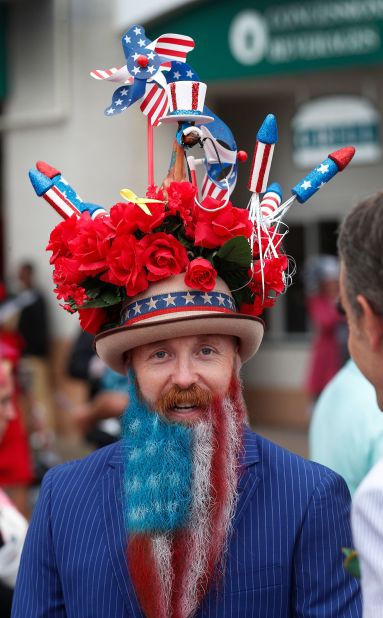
(244, 38)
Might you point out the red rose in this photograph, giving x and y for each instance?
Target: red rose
(91, 320)
(91, 245)
(125, 265)
(60, 237)
(128, 218)
(213, 229)
(200, 275)
(163, 256)
(67, 271)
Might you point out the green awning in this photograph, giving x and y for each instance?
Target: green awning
(264, 37)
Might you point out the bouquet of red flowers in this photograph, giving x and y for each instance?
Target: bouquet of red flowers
(100, 263)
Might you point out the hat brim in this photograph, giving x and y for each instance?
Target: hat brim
(186, 118)
(112, 344)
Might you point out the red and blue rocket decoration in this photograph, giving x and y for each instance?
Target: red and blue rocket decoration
(270, 202)
(319, 176)
(48, 183)
(267, 137)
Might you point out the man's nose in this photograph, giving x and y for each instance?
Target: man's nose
(184, 373)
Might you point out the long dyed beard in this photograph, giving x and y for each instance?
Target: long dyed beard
(173, 560)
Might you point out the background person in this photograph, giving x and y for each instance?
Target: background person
(361, 287)
(16, 469)
(328, 351)
(346, 430)
(13, 525)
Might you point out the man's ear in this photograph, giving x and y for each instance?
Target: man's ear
(371, 322)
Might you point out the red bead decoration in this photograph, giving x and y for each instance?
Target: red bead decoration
(242, 156)
(143, 61)
(195, 91)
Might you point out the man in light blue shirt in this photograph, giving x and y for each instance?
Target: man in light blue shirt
(346, 432)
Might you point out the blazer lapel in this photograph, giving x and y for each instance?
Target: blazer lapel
(249, 479)
(116, 536)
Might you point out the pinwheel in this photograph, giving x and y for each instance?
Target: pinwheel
(142, 77)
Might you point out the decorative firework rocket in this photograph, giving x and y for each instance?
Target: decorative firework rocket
(49, 184)
(315, 180)
(271, 201)
(267, 137)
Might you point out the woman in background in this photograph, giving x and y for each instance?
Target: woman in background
(329, 346)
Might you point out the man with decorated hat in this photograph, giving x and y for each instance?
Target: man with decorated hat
(191, 513)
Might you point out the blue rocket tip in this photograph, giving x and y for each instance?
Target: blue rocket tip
(275, 187)
(40, 182)
(268, 132)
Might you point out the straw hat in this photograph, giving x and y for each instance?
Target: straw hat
(169, 309)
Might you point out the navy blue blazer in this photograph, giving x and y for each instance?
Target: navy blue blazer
(284, 559)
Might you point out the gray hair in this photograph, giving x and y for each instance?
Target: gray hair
(360, 246)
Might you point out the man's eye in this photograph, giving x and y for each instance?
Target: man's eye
(206, 351)
(160, 354)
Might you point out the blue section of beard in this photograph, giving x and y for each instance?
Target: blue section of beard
(157, 469)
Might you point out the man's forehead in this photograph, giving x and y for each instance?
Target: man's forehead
(188, 340)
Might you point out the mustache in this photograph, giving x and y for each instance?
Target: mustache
(194, 395)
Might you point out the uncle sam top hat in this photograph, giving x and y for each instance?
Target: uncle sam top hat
(186, 96)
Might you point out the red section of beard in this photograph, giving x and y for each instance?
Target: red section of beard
(144, 576)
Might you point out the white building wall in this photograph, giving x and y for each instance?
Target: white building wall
(54, 113)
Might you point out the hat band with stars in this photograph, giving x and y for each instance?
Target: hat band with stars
(175, 302)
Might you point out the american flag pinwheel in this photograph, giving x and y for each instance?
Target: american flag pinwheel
(142, 77)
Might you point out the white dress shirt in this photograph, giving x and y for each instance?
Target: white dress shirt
(367, 526)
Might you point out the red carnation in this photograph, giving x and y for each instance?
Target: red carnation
(71, 292)
(163, 255)
(91, 245)
(67, 271)
(200, 275)
(259, 304)
(266, 238)
(213, 229)
(273, 274)
(60, 237)
(181, 199)
(91, 320)
(125, 265)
